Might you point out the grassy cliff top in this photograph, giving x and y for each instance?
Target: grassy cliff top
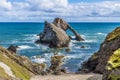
(18, 70)
(113, 35)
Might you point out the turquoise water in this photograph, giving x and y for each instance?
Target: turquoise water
(24, 36)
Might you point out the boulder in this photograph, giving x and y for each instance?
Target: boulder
(99, 61)
(54, 34)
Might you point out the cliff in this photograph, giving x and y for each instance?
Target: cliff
(106, 60)
(16, 67)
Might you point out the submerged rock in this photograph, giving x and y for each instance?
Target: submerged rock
(99, 61)
(54, 34)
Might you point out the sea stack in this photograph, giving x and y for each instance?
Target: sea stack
(107, 60)
(54, 34)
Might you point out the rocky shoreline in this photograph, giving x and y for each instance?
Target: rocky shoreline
(106, 61)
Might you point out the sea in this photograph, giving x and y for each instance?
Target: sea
(24, 35)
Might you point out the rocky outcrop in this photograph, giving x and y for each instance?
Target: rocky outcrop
(54, 34)
(12, 49)
(21, 66)
(56, 63)
(65, 26)
(98, 61)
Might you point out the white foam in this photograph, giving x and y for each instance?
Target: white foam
(39, 60)
(99, 33)
(94, 40)
(24, 47)
(74, 56)
(31, 37)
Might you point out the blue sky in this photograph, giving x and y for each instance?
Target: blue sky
(70, 10)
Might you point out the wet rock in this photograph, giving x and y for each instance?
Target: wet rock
(83, 46)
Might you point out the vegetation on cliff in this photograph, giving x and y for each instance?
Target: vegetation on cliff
(107, 60)
(113, 35)
(20, 66)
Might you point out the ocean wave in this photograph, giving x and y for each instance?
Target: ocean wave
(37, 59)
(82, 47)
(74, 56)
(99, 33)
(95, 40)
(24, 47)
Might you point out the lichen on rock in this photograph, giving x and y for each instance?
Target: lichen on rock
(114, 61)
(113, 35)
(113, 66)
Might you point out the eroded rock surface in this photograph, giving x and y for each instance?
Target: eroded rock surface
(56, 63)
(54, 34)
(98, 61)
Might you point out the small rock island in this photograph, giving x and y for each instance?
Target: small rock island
(54, 34)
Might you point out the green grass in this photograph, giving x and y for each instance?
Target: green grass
(18, 71)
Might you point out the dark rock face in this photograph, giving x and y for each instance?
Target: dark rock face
(54, 34)
(98, 61)
(90, 64)
(12, 48)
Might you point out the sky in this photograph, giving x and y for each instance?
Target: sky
(70, 10)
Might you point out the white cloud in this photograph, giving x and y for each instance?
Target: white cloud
(5, 5)
(47, 4)
(40, 10)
